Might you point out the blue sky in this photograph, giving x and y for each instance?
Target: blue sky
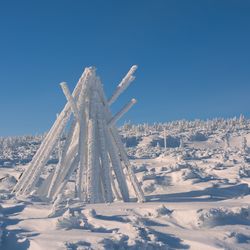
(193, 57)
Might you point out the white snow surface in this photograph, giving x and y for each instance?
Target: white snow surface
(196, 183)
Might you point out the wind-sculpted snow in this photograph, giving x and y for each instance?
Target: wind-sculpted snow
(213, 217)
(197, 193)
(135, 235)
(223, 216)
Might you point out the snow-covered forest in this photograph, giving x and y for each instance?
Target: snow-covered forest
(141, 140)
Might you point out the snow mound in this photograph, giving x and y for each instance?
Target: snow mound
(79, 219)
(72, 220)
(212, 217)
(141, 168)
(159, 212)
(244, 172)
(223, 216)
(197, 175)
(116, 241)
(131, 141)
(149, 187)
(80, 245)
(236, 237)
(198, 136)
(148, 214)
(149, 176)
(178, 167)
(162, 210)
(7, 182)
(219, 166)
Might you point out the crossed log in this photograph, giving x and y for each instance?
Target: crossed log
(93, 148)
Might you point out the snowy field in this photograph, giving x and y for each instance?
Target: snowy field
(195, 177)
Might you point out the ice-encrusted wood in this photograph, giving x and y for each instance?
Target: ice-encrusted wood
(105, 166)
(92, 151)
(30, 176)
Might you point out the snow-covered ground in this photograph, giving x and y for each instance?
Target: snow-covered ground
(197, 191)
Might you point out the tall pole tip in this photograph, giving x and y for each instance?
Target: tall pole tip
(62, 84)
(134, 67)
(134, 101)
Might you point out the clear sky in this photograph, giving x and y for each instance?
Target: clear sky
(193, 57)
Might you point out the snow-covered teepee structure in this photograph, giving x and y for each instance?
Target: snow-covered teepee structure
(93, 150)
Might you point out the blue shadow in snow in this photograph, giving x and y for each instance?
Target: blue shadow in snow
(214, 193)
